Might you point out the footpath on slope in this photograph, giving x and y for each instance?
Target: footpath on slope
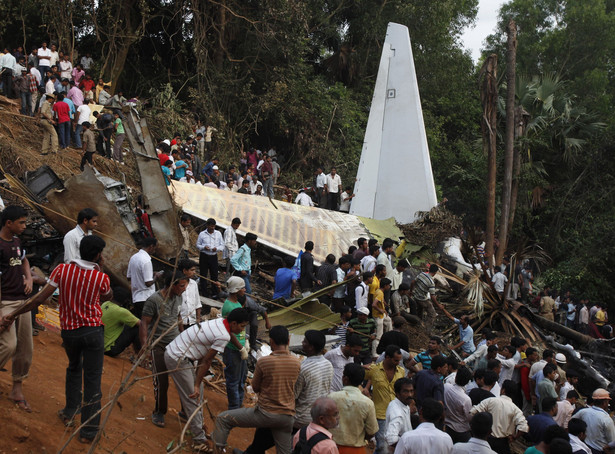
(129, 429)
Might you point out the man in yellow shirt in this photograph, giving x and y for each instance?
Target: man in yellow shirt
(379, 273)
(380, 313)
(381, 377)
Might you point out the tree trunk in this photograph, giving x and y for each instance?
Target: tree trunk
(489, 99)
(511, 59)
(521, 120)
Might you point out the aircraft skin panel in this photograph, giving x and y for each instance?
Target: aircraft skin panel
(280, 225)
(395, 178)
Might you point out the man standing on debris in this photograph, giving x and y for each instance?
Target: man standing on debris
(357, 413)
(307, 278)
(141, 275)
(235, 359)
(230, 242)
(366, 328)
(87, 220)
(81, 285)
(274, 381)
(242, 260)
(199, 343)
(209, 243)
(466, 333)
(159, 324)
(16, 283)
(547, 307)
(423, 290)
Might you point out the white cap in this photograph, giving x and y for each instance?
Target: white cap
(215, 168)
(560, 358)
(234, 284)
(363, 310)
(167, 141)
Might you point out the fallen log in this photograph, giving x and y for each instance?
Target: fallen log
(269, 278)
(582, 339)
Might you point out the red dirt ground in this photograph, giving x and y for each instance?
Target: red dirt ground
(42, 432)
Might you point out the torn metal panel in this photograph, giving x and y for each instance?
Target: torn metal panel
(162, 212)
(280, 225)
(84, 191)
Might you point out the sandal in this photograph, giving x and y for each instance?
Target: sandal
(22, 404)
(202, 447)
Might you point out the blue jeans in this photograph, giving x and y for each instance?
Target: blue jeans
(64, 134)
(77, 137)
(85, 349)
(26, 103)
(236, 371)
(381, 443)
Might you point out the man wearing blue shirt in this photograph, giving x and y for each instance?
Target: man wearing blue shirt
(600, 427)
(466, 333)
(241, 261)
(285, 280)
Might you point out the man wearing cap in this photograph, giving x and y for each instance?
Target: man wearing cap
(366, 328)
(304, 199)
(242, 260)
(600, 427)
(236, 369)
(50, 136)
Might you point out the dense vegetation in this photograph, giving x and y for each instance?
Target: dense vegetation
(300, 75)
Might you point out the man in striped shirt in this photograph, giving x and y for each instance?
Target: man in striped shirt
(423, 290)
(200, 342)
(274, 381)
(81, 284)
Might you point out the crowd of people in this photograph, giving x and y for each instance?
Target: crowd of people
(576, 313)
(367, 386)
(63, 93)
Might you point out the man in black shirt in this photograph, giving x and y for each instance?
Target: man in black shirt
(485, 379)
(308, 278)
(394, 337)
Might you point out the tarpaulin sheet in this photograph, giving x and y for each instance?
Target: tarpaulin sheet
(280, 225)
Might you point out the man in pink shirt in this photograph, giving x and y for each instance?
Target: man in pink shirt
(316, 435)
(75, 94)
(78, 73)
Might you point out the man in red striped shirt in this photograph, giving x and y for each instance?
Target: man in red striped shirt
(82, 284)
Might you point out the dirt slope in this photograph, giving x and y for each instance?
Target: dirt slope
(127, 432)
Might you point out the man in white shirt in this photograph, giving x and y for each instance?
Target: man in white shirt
(346, 197)
(458, 405)
(342, 355)
(508, 363)
(87, 220)
(86, 61)
(66, 68)
(333, 186)
(426, 438)
(44, 56)
(199, 343)
(84, 112)
(499, 280)
(209, 243)
(190, 310)
(480, 425)
(399, 411)
(230, 242)
(321, 182)
(508, 419)
(361, 293)
(7, 66)
(369, 262)
(577, 432)
(304, 199)
(54, 57)
(141, 275)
